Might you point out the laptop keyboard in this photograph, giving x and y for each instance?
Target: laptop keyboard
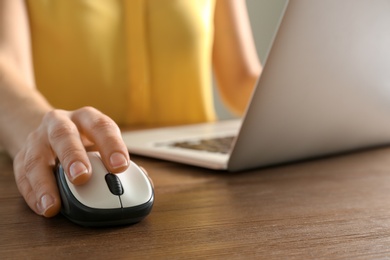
(215, 145)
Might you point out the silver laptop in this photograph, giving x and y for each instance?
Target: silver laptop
(325, 89)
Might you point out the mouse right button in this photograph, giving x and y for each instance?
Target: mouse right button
(136, 187)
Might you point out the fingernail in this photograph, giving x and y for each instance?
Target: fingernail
(45, 203)
(77, 169)
(118, 160)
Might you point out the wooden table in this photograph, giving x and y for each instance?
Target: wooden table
(330, 208)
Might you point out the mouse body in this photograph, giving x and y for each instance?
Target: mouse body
(106, 199)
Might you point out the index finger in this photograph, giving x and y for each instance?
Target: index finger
(106, 135)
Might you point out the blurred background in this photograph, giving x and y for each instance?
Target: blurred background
(264, 16)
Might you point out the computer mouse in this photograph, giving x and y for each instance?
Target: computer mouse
(106, 199)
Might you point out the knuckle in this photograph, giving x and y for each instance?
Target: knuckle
(88, 110)
(38, 187)
(58, 125)
(96, 120)
(70, 154)
(52, 115)
(33, 136)
(103, 123)
(60, 131)
(20, 179)
(31, 162)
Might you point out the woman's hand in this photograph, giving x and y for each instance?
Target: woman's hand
(35, 143)
(66, 135)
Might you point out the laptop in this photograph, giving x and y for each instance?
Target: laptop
(324, 90)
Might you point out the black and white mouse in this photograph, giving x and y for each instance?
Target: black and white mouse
(106, 199)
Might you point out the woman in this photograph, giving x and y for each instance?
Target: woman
(71, 71)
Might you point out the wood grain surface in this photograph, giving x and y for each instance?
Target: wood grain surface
(329, 208)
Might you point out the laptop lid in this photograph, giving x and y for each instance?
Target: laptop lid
(325, 88)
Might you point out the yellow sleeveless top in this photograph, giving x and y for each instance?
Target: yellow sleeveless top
(138, 61)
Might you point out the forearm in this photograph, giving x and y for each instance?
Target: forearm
(236, 64)
(237, 91)
(22, 108)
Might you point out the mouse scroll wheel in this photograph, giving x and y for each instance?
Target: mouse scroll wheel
(114, 184)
